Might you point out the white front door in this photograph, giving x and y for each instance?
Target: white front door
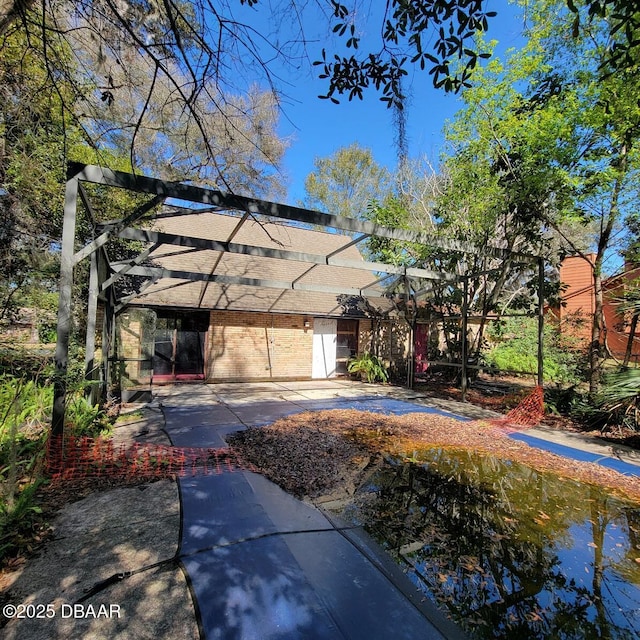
(324, 348)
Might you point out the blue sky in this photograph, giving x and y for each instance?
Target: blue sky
(318, 128)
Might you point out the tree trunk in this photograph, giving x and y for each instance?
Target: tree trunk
(630, 339)
(597, 329)
(596, 349)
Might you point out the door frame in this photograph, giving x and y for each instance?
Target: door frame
(177, 317)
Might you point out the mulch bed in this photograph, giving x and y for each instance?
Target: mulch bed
(507, 394)
(322, 453)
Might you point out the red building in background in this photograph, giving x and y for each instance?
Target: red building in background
(579, 305)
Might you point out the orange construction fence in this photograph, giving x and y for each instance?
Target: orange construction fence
(82, 457)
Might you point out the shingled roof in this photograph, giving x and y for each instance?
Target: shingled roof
(241, 281)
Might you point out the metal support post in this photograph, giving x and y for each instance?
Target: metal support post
(108, 341)
(540, 321)
(90, 342)
(64, 307)
(463, 347)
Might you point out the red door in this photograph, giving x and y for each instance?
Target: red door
(421, 344)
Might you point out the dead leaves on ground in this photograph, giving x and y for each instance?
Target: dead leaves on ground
(319, 453)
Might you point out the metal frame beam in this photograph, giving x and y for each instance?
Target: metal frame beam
(230, 237)
(64, 307)
(161, 190)
(190, 193)
(251, 282)
(159, 238)
(104, 237)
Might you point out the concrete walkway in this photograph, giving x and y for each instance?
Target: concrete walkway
(259, 564)
(262, 564)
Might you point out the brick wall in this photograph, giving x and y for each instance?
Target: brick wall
(129, 347)
(260, 346)
(244, 346)
(390, 340)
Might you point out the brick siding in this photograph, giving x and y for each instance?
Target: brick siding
(246, 346)
(389, 340)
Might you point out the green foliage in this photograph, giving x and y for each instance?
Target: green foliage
(36, 134)
(394, 214)
(23, 411)
(515, 348)
(616, 405)
(369, 366)
(567, 401)
(546, 148)
(24, 404)
(25, 417)
(429, 34)
(85, 419)
(618, 402)
(346, 182)
(18, 520)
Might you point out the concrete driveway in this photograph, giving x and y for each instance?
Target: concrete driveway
(264, 565)
(259, 563)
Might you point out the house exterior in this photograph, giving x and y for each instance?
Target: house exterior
(23, 328)
(579, 305)
(294, 325)
(224, 286)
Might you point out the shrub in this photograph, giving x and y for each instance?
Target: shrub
(25, 418)
(515, 348)
(25, 408)
(619, 399)
(85, 419)
(369, 366)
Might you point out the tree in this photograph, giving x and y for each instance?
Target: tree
(347, 182)
(49, 113)
(442, 36)
(541, 163)
(605, 129)
(203, 51)
(551, 145)
(32, 129)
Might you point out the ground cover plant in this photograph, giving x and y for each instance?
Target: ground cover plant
(25, 417)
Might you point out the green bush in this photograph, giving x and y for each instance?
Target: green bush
(25, 409)
(85, 419)
(618, 402)
(369, 366)
(514, 347)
